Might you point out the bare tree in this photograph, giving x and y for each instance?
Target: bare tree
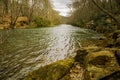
(14, 12)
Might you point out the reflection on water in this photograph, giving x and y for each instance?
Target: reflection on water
(24, 50)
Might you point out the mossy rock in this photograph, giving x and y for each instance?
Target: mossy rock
(100, 64)
(54, 71)
(99, 58)
(117, 31)
(100, 61)
(83, 52)
(80, 56)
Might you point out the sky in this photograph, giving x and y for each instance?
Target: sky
(61, 6)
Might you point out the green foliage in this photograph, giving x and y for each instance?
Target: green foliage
(79, 23)
(100, 20)
(39, 13)
(40, 22)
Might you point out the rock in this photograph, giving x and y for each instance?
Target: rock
(113, 76)
(54, 71)
(80, 57)
(100, 64)
(81, 54)
(114, 35)
(113, 39)
(117, 42)
(76, 72)
(102, 38)
(117, 55)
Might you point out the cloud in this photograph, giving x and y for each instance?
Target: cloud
(61, 6)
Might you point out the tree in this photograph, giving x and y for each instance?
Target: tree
(106, 12)
(15, 9)
(87, 10)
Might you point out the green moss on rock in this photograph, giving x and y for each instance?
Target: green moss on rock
(54, 71)
(100, 64)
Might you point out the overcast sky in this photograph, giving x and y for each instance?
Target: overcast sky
(61, 6)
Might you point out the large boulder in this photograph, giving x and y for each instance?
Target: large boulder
(83, 52)
(54, 71)
(100, 64)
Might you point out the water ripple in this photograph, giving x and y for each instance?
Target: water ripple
(24, 50)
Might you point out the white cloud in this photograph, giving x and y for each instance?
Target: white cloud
(61, 6)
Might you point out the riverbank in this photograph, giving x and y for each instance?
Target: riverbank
(99, 60)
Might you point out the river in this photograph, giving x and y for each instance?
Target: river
(24, 50)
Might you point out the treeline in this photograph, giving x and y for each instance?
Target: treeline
(21, 13)
(100, 15)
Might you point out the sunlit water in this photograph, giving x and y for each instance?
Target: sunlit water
(25, 50)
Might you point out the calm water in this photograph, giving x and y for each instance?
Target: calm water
(24, 50)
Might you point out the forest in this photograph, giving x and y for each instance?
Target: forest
(27, 13)
(99, 15)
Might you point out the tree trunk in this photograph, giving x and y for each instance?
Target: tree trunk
(6, 6)
(15, 17)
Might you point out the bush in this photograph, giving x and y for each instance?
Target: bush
(40, 22)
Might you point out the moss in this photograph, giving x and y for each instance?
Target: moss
(100, 64)
(95, 56)
(66, 77)
(54, 71)
(117, 31)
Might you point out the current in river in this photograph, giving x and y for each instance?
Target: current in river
(25, 50)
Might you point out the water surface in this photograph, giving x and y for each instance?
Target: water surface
(24, 50)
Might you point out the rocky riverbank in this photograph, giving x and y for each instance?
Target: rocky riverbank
(100, 61)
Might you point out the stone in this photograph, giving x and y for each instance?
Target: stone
(117, 42)
(80, 57)
(113, 76)
(54, 71)
(81, 53)
(117, 55)
(100, 64)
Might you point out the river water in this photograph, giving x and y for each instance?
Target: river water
(24, 50)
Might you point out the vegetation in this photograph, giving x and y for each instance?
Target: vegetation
(100, 15)
(38, 12)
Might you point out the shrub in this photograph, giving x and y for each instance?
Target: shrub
(40, 22)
